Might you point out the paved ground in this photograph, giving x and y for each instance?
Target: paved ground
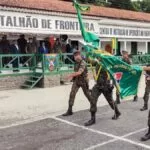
(30, 120)
(68, 133)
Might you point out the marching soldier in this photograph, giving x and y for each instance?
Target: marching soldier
(147, 91)
(146, 97)
(147, 135)
(102, 86)
(80, 79)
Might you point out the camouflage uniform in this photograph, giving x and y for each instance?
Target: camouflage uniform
(147, 135)
(145, 107)
(103, 86)
(147, 91)
(79, 81)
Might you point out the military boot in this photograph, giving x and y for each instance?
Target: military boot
(146, 137)
(91, 121)
(118, 99)
(69, 112)
(135, 98)
(145, 107)
(117, 113)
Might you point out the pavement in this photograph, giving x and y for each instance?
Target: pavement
(31, 120)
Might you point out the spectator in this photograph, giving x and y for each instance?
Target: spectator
(22, 43)
(31, 49)
(31, 46)
(43, 49)
(57, 46)
(5, 49)
(15, 50)
(48, 44)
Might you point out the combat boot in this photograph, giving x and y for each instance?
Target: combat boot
(69, 112)
(144, 108)
(116, 116)
(135, 98)
(91, 121)
(117, 113)
(118, 99)
(146, 137)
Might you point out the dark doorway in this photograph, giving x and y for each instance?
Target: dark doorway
(148, 47)
(134, 48)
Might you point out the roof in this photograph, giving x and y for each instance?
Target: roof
(67, 7)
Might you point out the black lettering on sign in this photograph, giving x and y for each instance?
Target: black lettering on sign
(15, 22)
(46, 24)
(49, 24)
(21, 22)
(92, 27)
(35, 23)
(62, 26)
(28, 22)
(72, 26)
(43, 23)
(66, 25)
(9, 21)
(57, 24)
(2, 20)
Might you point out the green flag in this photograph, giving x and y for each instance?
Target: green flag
(125, 76)
(87, 36)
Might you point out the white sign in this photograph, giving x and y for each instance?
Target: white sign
(17, 22)
(112, 31)
(32, 23)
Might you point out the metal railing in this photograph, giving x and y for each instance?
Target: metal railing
(30, 63)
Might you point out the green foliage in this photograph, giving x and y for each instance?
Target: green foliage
(143, 6)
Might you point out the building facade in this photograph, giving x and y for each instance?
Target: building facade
(46, 19)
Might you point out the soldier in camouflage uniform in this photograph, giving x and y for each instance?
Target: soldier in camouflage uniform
(147, 135)
(80, 79)
(147, 90)
(125, 58)
(145, 107)
(102, 86)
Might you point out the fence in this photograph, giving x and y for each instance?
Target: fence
(48, 63)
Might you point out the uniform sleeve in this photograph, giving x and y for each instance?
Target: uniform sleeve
(82, 67)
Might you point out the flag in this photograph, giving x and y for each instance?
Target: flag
(126, 77)
(87, 36)
(115, 45)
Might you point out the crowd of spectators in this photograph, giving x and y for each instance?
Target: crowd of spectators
(22, 45)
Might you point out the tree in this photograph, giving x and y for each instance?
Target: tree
(121, 4)
(143, 6)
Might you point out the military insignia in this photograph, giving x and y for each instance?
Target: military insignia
(118, 76)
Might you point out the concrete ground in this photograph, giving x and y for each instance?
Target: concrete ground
(31, 120)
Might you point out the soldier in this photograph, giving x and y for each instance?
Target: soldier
(125, 58)
(147, 135)
(146, 97)
(104, 87)
(80, 79)
(147, 91)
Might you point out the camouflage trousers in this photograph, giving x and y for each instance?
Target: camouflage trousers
(146, 94)
(75, 87)
(107, 92)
